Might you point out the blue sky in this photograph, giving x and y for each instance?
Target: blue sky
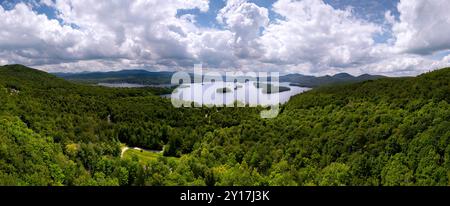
(370, 10)
(39, 8)
(306, 36)
(208, 19)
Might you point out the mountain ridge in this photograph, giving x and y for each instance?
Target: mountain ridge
(164, 77)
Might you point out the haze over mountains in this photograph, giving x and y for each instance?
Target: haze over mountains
(313, 81)
(156, 78)
(125, 76)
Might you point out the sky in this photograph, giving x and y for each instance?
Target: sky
(314, 37)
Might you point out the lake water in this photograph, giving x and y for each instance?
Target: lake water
(121, 85)
(247, 93)
(206, 93)
(128, 85)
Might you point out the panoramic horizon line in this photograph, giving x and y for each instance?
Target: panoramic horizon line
(222, 72)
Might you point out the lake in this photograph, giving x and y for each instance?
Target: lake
(121, 85)
(128, 85)
(207, 93)
(225, 93)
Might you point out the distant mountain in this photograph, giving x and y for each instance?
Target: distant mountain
(312, 81)
(18, 77)
(343, 76)
(156, 78)
(124, 76)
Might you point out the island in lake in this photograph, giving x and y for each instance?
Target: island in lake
(270, 89)
(223, 90)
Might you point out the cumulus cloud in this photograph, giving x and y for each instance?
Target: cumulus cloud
(87, 30)
(423, 27)
(307, 36)
(314, 32)
(35, 37)
(132, 28)
(245, 20)
(405, 65)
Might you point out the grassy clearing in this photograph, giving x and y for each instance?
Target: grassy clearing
(144, 155)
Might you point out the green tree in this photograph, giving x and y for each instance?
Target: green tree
(335, 174)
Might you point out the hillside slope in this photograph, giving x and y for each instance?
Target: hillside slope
(125, 76)
(313, 82)
(391, 131)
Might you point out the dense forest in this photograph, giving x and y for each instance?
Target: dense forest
(125, 76)
(390, 131)
(313, 81)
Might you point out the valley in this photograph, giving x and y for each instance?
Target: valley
(389, 131)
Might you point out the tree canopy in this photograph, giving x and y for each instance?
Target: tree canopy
(390, 131)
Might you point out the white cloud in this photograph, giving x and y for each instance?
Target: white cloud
(245, 20)
(34, 36)
(405, 65)
(316, 33)
(99, 30)
(446, 59)
(215, 48)
(424, 26)
(308, 36)
(49, 3)
(132, 28)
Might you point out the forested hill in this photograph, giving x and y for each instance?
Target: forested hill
(124, 76)
(157, 78)
(313, 81)
(429, 86)
(19, 76)
(390, 131)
